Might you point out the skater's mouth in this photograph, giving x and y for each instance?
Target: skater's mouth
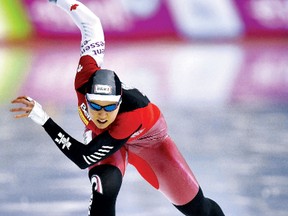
(100, 121)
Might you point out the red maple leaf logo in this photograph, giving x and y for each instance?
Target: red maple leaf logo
(74, 7)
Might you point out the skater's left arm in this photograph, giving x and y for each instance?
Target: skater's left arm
(92, 42)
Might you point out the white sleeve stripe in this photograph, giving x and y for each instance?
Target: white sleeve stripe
(86, 160)
(103, 150)
(108, 147)
(95, 157)
(100, 154)
(90, 159)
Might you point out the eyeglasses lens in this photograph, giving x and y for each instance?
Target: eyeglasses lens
(108, 108)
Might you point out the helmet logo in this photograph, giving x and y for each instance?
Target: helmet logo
(102, 89)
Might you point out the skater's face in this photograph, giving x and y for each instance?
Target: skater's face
(103, 113)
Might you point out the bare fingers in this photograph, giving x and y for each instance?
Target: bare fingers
(24, 100)
(24, 110)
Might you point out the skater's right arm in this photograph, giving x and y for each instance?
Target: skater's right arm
(92, 42)
(83, 156)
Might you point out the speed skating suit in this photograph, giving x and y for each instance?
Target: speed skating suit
(138, 136)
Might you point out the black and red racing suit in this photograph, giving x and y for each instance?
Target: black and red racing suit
(137, 136)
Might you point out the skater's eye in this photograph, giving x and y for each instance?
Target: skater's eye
(107, 108)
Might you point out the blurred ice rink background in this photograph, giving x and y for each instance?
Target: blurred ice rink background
(217, 69)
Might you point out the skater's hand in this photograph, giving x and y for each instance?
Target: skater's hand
(32, 109)
(24, 110)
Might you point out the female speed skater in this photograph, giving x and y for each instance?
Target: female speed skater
(122, 127)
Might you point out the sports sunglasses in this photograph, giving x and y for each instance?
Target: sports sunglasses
(108, 108)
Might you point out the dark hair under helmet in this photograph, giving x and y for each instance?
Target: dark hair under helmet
(104, 85)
